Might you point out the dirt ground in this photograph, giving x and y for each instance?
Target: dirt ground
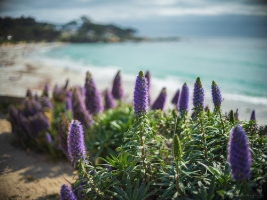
(27, 175)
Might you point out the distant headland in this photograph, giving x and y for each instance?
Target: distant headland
(83, 30)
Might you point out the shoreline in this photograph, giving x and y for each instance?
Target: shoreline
(26, 73)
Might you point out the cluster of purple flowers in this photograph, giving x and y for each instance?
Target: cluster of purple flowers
(216, 95)
(93, 100)
(46, 90)
(147, 75)
(68, 97)
(176, 98)
(253, 115)
(198, 96)
(29, 93)
(160, 101)
(29, 121)
(46, 103)
(109, 100)
(239, 154)
(140, 95)
(66, 193)
(117, 90)
(76, 146)
(38, 123)
(79, 110)
(31, 107)
(13, 117)
(182, 105)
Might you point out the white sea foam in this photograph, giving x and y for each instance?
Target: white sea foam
(107, 73)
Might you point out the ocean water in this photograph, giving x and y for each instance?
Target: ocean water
(238, 65)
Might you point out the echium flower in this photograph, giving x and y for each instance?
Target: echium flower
(160, 101)
(79, 110)
(117, 90)
(140, 95)
(183, 99)
(46, 90)
(46, 103)
(31, 107)
(253, 115)
(93, 100)
(176, 98)
(38, 123)
(239, 155)
(13, 117)
(68, 96)
(109, 100)
(24, 124)
(63, 129)
(29, 93)
(147, 75)
(76, 146)
(56, 91)
(48, 138)
(198, 96)
(66, 193)
(216, 95)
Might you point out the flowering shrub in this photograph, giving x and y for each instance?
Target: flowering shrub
(132, 152)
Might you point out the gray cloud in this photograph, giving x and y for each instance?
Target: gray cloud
(154, 17)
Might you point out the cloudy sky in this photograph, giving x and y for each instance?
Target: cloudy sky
(153, 17)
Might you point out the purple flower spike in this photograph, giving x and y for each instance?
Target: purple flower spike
(183, 99)
(76, 146)
(56, 91)
(48, 138)
(93, 100)
(58, 94)
(46, 103)
(66, 193)
(109, 100)
(140, 95)
(38, 124)
(36, 97)
(117, 90)
(13, 117)
(216, 95)
(82, 90)
(198, 95)
(68, 97)
(31, 107)
(238, 154)
(63, 129)
(46, 90)
(79, 110)
(160, 101)
(24, 124)
(176, 98)
(29, 93)
(253, 115)
(147, 75)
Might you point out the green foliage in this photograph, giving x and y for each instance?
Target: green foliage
(145, 168)
(105, 135)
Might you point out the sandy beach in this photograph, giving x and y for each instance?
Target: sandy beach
(18, 72)
(27, 175)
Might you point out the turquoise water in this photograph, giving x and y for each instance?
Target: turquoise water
(238, 65)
